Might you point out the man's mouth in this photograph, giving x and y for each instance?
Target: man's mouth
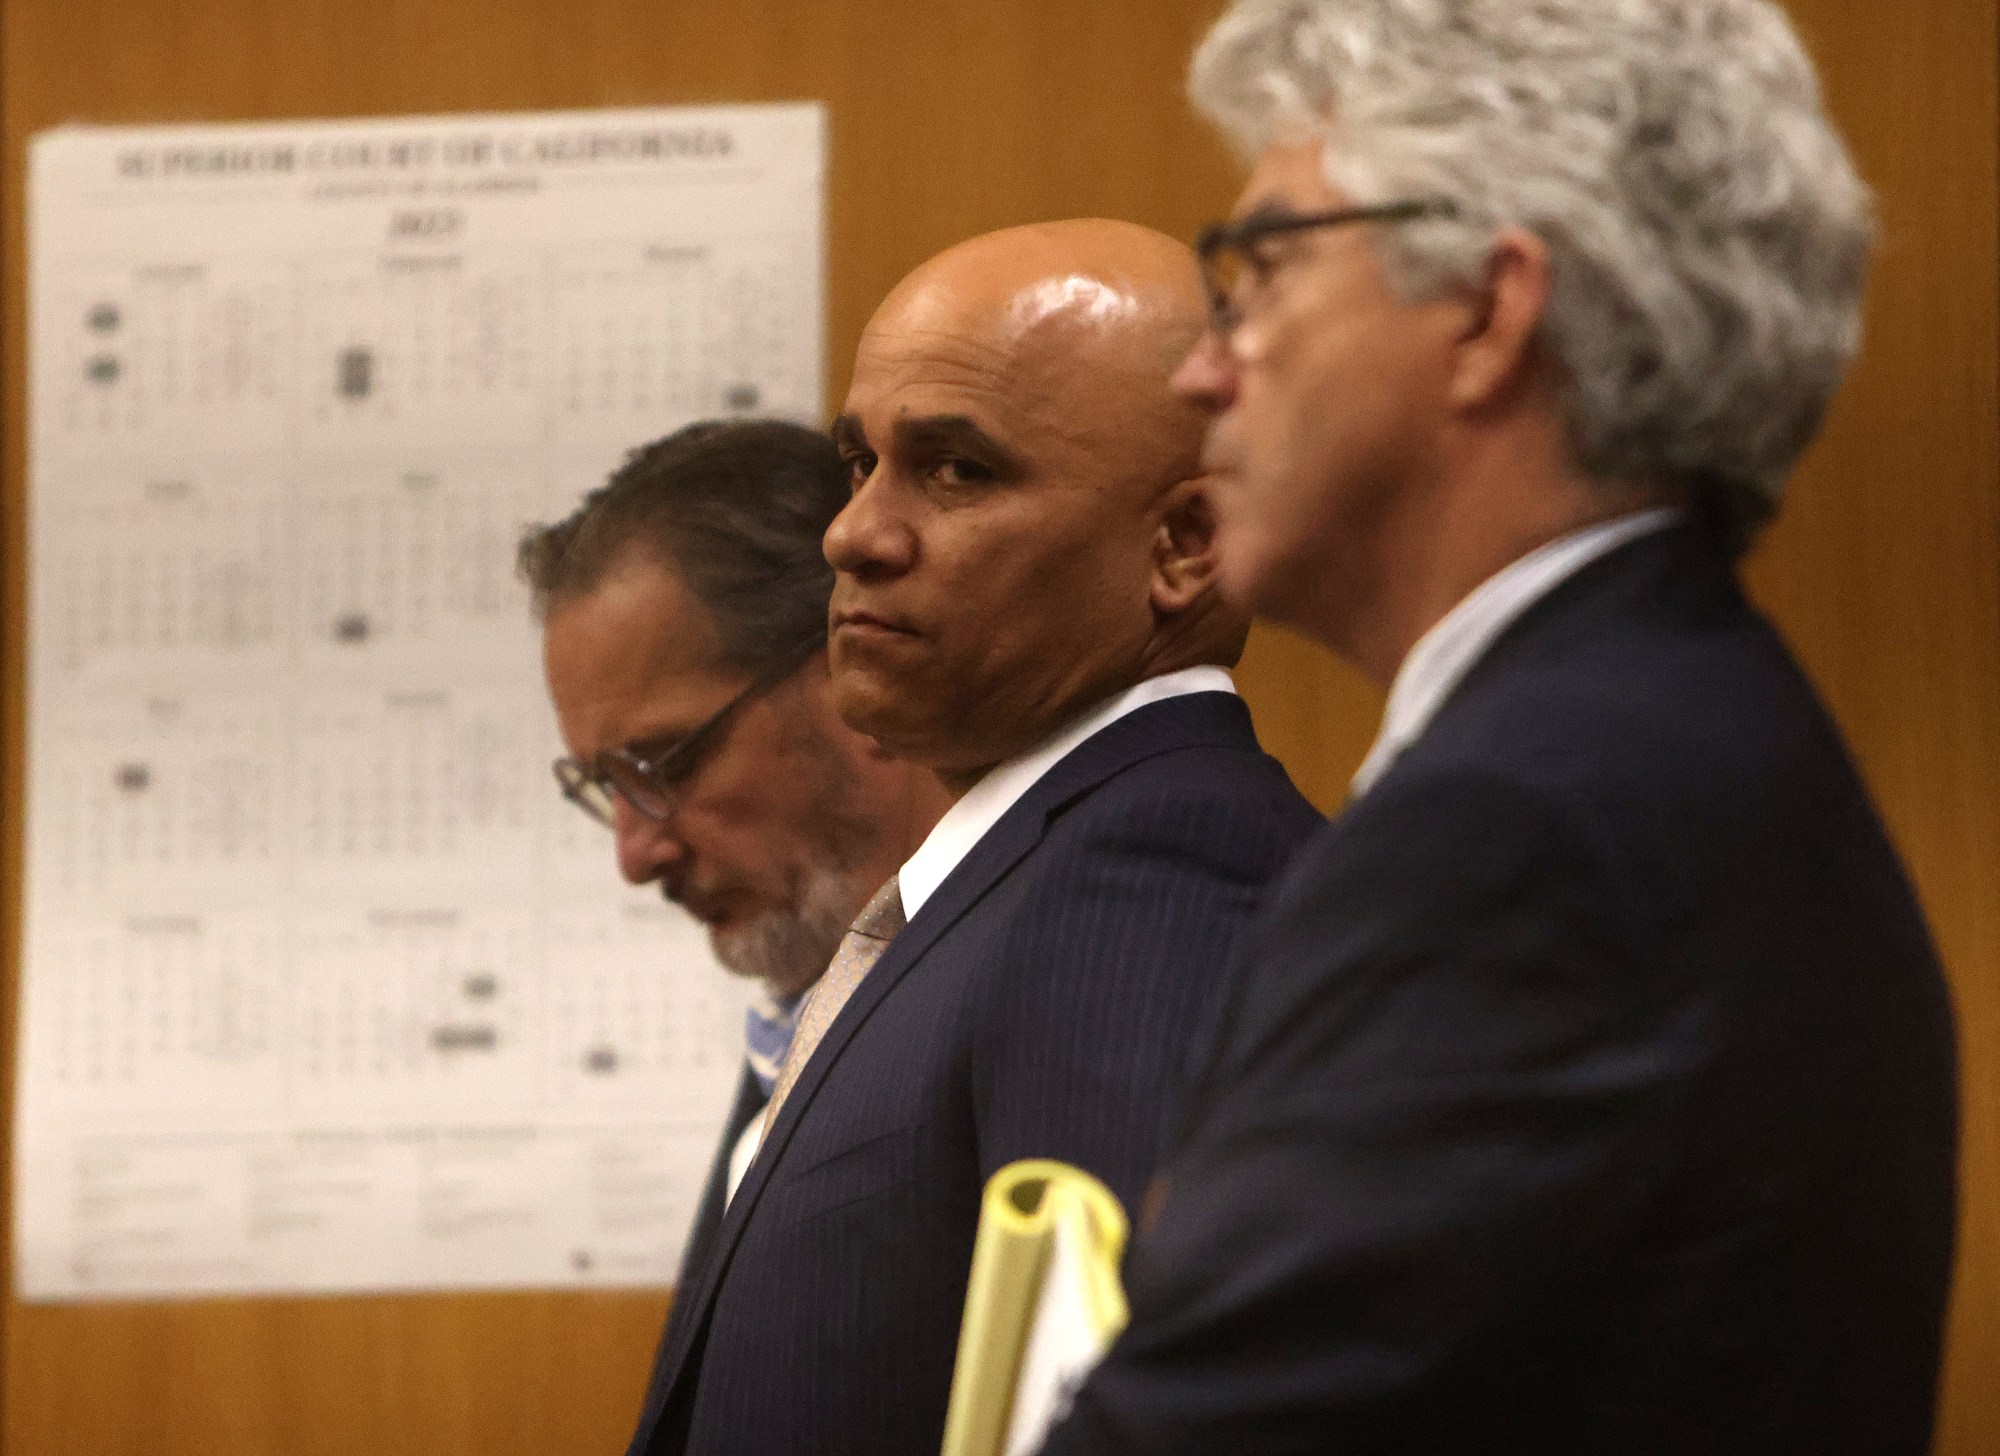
(710, 909)
(858, 622)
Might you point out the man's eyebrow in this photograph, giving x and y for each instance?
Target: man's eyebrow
(934, 435)
(847, 432)
(649, 748)
(655, 742)
(1267, 210)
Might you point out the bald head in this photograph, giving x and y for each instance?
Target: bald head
(1028, 533)
(1089, 291)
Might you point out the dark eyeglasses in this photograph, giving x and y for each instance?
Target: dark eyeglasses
(1229, 250)
(653, 783)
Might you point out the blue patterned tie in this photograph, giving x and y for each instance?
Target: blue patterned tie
(768, 1025)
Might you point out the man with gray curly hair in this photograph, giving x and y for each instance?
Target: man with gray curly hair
(1588, 1084)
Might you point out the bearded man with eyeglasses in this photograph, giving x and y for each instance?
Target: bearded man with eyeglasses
(684, 637)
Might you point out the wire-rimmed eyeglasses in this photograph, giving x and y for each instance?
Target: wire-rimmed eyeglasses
(653, 781)
(1230, 256)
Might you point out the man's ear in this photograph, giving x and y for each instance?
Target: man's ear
(1184, 547)
(1496, 353)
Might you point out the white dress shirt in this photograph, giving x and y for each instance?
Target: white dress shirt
(741, 1156)
(965, 823)
(1446, 653)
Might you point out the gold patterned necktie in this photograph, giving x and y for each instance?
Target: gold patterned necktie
(860, 948)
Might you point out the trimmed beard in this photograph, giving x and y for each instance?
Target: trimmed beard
(792, 947)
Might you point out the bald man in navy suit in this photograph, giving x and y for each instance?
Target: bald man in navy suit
(1025, 604)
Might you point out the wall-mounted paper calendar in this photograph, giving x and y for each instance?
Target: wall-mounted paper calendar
(325, 988)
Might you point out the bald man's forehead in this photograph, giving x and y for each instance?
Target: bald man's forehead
(933, 340)
(1125, 255)
(903, 366)
(1072, 310)
(922, 373)
(1074, 296)
(1060, 339)
(1062, 332)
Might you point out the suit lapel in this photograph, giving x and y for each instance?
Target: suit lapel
(1213, 719)
(749, 1103)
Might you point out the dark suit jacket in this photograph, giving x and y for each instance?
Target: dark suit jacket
(1587, 1086)
(749, 1102)
(1040, 1004)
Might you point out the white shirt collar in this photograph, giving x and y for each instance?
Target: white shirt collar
(1443, 655)
(965, 823)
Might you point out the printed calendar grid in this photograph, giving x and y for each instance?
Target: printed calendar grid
(325, 988)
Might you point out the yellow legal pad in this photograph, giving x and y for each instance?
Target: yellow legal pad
(1042, 1304)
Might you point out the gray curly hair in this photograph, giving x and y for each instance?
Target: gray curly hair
(1708, 234)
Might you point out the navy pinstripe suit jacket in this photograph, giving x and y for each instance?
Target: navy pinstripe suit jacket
(1042, 1003)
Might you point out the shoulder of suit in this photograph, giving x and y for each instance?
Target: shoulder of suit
(1169, 822)
(1147, 881)
(1620, 705)
(1193, 780)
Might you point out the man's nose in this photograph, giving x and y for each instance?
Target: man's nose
(868, 537)
(647, 848)
(1207, 377)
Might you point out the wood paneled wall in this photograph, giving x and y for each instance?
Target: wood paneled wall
(950, 117)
